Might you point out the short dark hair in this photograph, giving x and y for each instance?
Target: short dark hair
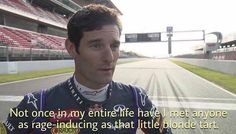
(89, 18)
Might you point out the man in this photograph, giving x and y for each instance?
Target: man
(88, 102)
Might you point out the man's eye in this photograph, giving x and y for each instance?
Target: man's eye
(115, 46)
(96, 45)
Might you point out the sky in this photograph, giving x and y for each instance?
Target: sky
(183, 15)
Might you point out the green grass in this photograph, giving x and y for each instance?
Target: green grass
(224, 80)
(34, 74)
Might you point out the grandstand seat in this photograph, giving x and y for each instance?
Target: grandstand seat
(34, 10)
(27, 39)
(6, 2)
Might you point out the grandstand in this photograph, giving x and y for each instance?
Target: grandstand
(225, 51)
(36, 29)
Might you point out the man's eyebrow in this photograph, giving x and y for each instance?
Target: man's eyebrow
(94, 40)
(116, 42)
(99, 40)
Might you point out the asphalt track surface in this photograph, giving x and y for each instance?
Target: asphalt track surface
(189, 103)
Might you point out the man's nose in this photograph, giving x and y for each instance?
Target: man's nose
(108, 55)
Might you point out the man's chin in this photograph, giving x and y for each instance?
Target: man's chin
(106, 81)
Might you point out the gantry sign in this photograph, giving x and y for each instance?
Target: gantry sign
(143, 37)
(156, 37)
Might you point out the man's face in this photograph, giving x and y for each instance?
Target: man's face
(98, 54)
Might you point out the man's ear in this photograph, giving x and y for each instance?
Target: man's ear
(70, 47)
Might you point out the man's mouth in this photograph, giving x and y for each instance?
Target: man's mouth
(106, 69)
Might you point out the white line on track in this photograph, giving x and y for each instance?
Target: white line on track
(195, 105)
(34, 78)
(191, 98)
(11, 98)
(209, 82)
(170, 104)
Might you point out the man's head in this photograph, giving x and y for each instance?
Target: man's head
(93, 41)
(89, 18)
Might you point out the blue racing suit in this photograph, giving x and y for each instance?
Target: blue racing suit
(63, 110)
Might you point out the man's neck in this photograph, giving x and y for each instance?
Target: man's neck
(99, 94)
(87, 83)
